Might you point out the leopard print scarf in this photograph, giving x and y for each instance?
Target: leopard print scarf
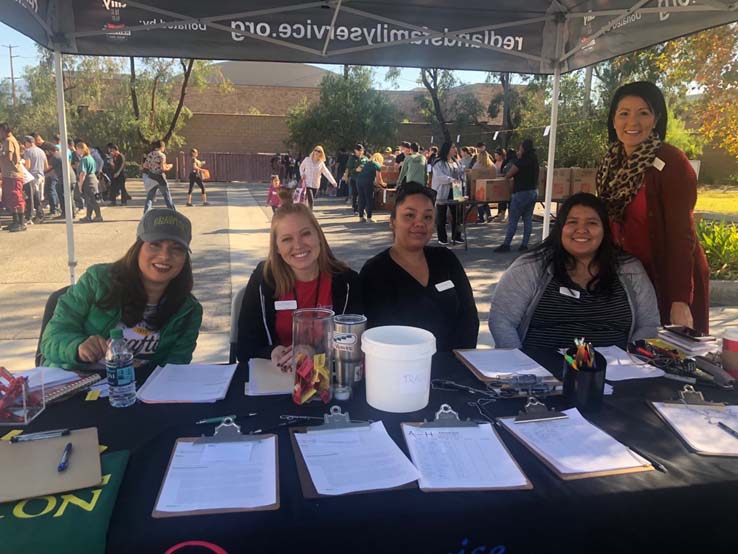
(619, 178)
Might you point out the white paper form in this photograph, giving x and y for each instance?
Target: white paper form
(574, 445)
(265, 379)
(52, 376)
(698, 426)
(622, 366)
(461, 457)
(217, 476)
(356, 459)
(499, 362)
(187, 383)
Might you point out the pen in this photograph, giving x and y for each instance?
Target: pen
(221, 419)
(41, 435)
(655, 464)
(64, 461)
(728, 429)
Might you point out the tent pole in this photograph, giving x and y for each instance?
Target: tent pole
(552, 129)
(66, 168)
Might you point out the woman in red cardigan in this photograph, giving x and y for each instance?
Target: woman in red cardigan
(650, 190)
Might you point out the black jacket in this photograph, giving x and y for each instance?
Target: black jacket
(257, 335)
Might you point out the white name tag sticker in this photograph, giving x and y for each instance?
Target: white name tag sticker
(440, 287)
(280, 305)
(659, 164)
(566, 291)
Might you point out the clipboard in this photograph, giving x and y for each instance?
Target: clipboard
(447, 418)
(227, 431)
(688, 396)
(333, 420)
(535, 412)
(551, 381)
(29, 469)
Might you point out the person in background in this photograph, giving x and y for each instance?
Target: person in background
(11, 167)
(147, 293)
(405, 151)
(370, 175)
(52, 177)
(483, 159)
(273, 199)
(524, 172)
(418, 285)
(650, 189)
(499, 159)
(38, 140)
(74, 160)
(389, 158)
(341, 162)
(89, 181)
(413, 168)
(35, 162)
(446, 170)
(196, 177)
(353, 167)
(311, 170)
(299, 272)
(156, 165)
(577, 283)
(118, 175)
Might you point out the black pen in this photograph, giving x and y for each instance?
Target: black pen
(728, 429)
(657, 466)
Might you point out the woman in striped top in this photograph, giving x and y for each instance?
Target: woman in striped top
(311, 170)
(575, 284)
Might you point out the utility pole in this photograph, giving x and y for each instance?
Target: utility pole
(12, 75)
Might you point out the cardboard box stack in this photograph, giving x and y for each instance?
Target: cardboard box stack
(492, 190)
(561, 183)
(583, 180)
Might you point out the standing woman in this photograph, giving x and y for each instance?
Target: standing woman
(156, 165)
(88, 179)
(446, 170)
(196, 177)
(299, 272)
(650, 189)
(311, 169)
(524, 172)
(370, 174)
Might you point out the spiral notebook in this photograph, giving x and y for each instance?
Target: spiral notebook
(61, 392)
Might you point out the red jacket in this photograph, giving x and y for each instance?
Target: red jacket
(680, 270)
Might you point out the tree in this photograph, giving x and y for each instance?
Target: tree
(349, 111)
(437, 83)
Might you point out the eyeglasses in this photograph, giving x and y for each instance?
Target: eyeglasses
(406, 189)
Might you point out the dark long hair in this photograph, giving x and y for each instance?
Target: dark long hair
(127, 290)
(651, 94)
(444, 153)
(551, 251)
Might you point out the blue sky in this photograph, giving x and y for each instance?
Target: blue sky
(26, 53)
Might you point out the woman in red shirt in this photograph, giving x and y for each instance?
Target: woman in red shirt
(650, 190)
(300, 272)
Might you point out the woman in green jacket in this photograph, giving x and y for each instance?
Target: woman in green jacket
(147, 294)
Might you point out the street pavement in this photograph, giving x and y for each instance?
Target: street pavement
(230, 236)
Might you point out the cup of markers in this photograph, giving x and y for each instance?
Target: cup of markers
(584, 376)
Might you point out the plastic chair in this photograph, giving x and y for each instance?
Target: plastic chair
(48, 312)
(235, 311)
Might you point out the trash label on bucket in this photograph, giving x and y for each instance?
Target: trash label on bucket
(344, 341)
(412, 383)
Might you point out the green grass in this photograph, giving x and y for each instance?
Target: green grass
(723, 200)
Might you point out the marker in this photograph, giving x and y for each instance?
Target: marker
(728, 429)
(64, 461)
(571, 361)
(41, 435)
(657, 466)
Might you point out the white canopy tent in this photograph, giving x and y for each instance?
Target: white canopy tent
(542, 37)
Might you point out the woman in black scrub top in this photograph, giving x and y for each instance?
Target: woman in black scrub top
(418, 285)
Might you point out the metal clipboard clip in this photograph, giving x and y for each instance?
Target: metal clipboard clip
(227, 431)
(447, 417)
(692, 397)
(535, 410)
(336, 419)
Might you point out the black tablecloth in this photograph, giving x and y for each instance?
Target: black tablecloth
(690, 508)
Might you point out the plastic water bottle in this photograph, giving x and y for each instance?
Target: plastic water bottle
(121, 375)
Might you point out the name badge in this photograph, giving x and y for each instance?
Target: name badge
(440, 287)
(659, 164)
(280, 305)
(566, 291)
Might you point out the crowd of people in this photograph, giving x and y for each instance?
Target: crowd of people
(613, 268)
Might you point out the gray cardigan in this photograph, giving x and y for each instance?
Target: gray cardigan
(444, 174)
(516, 297)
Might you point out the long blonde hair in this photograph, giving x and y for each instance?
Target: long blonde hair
(276, 271)
(319, 148)
(484, 160)
(377, 158)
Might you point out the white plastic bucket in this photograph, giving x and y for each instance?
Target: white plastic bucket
(398, 367)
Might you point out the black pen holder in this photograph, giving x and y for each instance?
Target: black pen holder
(584, 387)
